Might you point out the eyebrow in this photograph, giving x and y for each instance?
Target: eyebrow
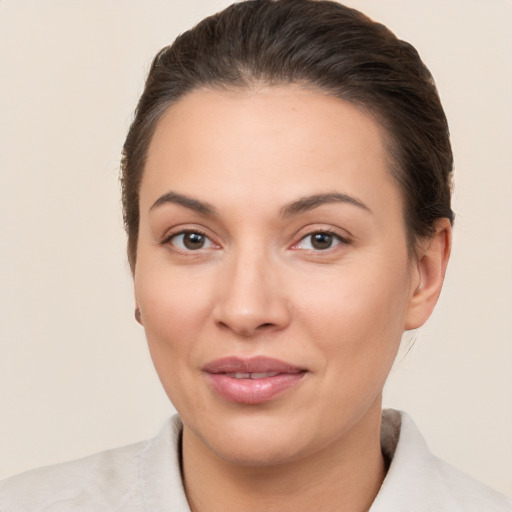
(305, 204)
(302, 205)
(188, 202)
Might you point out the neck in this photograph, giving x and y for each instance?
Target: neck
(344, 477)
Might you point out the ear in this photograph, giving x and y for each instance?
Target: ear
(137, 315)
(432, 258)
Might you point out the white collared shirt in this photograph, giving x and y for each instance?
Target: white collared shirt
(145, 477)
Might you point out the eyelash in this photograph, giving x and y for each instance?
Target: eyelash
(336, 240)
(169, 240)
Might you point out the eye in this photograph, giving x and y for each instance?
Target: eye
(319, 241)
(190, 241)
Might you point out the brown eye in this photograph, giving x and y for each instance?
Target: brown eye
(191, 241)
(321, 241)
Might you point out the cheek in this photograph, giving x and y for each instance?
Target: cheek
(357, 315)
(173, 310)
(173, 307)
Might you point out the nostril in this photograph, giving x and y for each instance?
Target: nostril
(251, 314)
(246, 331)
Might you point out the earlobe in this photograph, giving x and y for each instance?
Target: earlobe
(137, 314)
(432, 260)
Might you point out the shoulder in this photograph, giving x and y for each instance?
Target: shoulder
(115, 480)
(419, 481)
(106, 477)
(466, 493)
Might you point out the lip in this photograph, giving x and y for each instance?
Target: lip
(258, 389)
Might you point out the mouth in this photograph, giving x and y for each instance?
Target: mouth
(256, 376)
(251, 381)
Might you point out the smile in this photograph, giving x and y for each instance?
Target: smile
(251, 381)
(262, 375)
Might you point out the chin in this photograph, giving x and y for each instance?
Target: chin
(259, 439)
(264, 451)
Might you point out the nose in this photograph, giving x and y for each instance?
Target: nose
(251, 298)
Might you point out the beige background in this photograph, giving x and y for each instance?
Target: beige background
(75, 376)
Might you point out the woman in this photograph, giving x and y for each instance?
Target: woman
(286, 191)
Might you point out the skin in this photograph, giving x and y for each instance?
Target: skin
(258, 286)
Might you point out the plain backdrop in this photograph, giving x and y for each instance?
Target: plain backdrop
(75, 375)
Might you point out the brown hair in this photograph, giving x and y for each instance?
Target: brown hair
(317, 43)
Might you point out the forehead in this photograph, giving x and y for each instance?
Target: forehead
(279, 141)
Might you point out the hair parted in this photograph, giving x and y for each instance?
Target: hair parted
(320, 44)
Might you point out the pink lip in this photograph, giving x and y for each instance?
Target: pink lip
(251, 391)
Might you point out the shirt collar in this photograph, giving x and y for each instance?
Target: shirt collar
(416, 480)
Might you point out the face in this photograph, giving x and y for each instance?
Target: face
(272, 276)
